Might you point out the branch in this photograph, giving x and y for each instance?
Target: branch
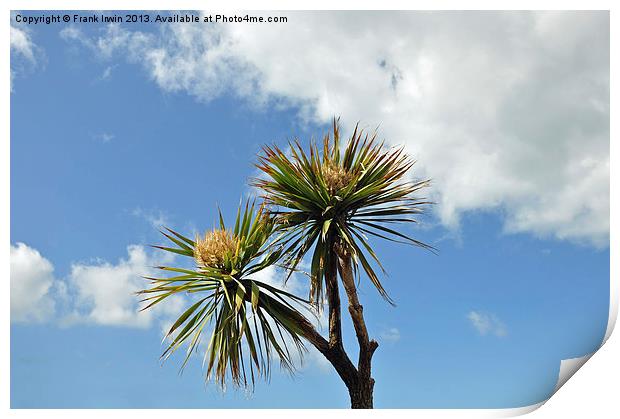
(367, 345)
(333, 301)
(334, 354)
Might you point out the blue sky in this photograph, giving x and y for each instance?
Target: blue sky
(116, 129)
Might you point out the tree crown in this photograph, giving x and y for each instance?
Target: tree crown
(329, 197)
(253, 321)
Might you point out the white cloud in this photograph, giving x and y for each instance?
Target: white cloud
(105, 292)
(156, 218)
(503, 110)
(72, 33)
(487, 323)
(390, 335)
(275, 277)
(32, 279)
(22, 44)
(96, 292)
(107, 73)
(104, 137)
(115, 38)
(24, 52)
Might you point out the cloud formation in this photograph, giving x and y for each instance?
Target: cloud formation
(96, 292)
(507, 111)
(22, 44)
(155, 217)
(104, 137)
(105, 292)
(390, 335)
(24, 51)
(487, 323)
(32, 278)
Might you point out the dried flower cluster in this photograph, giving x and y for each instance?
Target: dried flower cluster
(336, 177)
(216, 246)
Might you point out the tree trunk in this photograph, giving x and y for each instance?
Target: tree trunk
(359, 381)
(336, 353)
(361, 394)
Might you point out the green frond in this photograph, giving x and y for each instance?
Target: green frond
(338, 195)
(251, 323)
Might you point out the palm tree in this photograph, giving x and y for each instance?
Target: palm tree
(251, 322)
(326, 203)
(329, 201)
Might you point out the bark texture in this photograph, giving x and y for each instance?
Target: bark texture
(362, 394)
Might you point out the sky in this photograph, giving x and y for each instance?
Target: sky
(118, 129)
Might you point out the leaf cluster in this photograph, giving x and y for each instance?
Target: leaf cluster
(250, 321)
(314, 215)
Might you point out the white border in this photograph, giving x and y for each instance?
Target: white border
(595, 383)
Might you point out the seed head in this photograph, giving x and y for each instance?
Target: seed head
(216, 246)
(336, 177)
